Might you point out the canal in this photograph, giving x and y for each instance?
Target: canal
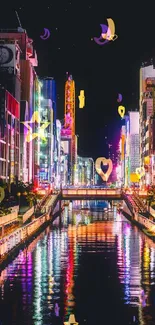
(91, 263)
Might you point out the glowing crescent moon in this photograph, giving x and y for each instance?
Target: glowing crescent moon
(98, 39)
(119, 98)
(110, 35)
(46, 34)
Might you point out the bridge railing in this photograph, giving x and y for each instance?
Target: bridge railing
(89, 192)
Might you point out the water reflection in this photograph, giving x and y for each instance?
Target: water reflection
(95, 265)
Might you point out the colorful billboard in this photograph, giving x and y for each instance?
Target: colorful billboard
(65, 147)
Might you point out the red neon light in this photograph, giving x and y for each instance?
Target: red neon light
(12, 105)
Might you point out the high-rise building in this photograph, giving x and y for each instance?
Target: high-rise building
(134, 155)
(147, 123)
(49, 93)
(57, 157)
(129, 151)
(17, 75)
(46, 143)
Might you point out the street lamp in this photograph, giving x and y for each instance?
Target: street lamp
(19, 194)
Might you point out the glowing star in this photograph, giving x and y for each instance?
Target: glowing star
(121, 111)
(99, 170)
(71, 320)
(40, 134)
(81, 99)
(140, 172)
(108, 33)
(46, 34)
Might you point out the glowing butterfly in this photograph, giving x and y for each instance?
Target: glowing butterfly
(140, 172)
(46, 34)
(119, 99)
(81, 99)
(99, 170)
(71, 320)
(121, 111)
(108, 33)
(40, 134)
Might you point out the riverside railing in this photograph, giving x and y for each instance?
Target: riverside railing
(21, 234)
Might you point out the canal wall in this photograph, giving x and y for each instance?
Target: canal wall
(12, 243)
(142, 222)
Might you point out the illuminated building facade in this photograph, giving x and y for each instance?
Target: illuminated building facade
(133, 142)
(49, 92)
(147, 123)
(46, 146)
(129, 151)
(10, 80)
(122, 157)
(65, 161)
(17, 75)
(85, 170)
(9, 137)
(57, 156)
(68, 130)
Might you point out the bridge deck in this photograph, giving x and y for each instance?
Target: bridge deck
(94, 194)
(91, 194)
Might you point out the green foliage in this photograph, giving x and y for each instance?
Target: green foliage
(4, 211)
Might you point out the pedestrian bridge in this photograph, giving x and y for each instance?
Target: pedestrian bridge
(95, 194)
(91, 194)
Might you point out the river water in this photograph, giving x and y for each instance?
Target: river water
(95, 265)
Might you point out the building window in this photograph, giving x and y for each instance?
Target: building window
(9, 119)
(2, 150)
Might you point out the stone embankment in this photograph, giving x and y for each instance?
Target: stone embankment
(14, 241)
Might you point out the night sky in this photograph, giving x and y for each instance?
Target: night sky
(102, 71)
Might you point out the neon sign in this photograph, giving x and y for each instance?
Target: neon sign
(40, 134)
(105, 176)
(108, 33)
(81, 99)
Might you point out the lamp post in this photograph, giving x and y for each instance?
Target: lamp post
(19, 194)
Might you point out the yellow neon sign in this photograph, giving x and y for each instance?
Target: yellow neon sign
(40, 134)
(81, 99)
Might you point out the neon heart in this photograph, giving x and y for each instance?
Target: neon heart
(99, 170)
(121, 111)
(140, 172)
